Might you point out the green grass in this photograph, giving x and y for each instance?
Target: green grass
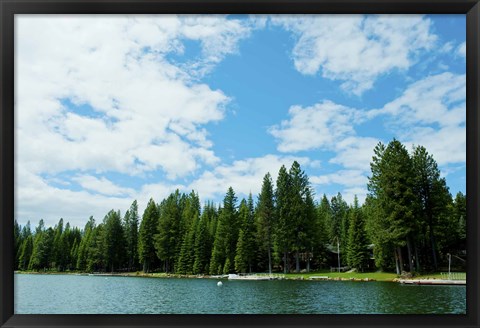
(378, 276)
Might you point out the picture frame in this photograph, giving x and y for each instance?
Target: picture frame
(9, 8)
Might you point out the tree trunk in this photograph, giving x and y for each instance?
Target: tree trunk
(417, 261)
(285, 261)
(397, 267)
(434, 251)
(269, 260)
(400, 258)
(145, 268)
(308, 264)
(410, 259)
(297, 262)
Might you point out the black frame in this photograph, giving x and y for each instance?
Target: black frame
(8, 8)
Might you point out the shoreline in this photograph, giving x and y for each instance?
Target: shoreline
(363, 277)
(274, 276)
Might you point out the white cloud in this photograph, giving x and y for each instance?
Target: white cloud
(140, 100)
(357, 49)
(317, 126)
(101, 185)
(342, 177)
(355, 152)
(139, 110)
(462, 50)
(432, 113)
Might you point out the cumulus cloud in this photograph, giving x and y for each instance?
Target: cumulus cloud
(462, 50)
(101, 185)
(432, 112)
(100, 94)
(317, 126)
(357, 49)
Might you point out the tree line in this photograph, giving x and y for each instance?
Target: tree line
(409, 219)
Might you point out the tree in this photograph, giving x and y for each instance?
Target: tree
(82, 252)
(22, 236)
(26, 253)
(226, 236)
(339, 222)
(392, 185)
(146, 235)
(202, 246)
(168, 239)
(95, 250)
(460, 215)
(17, 243)
(357, 251)
(433, 196)
(42, 245)
(284, 228)
(246, 245)
(58, 252)
(131, 235)
(266, 222)
(189, 221)
(113, 241)
(324, 217)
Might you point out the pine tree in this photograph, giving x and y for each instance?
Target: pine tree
(246, 245)
(226, 236)
(202, 246)
(392, 185)
(284, 228)
(26, 253)
(266, 222)
(357, 251)
(433, 197)
(82, 252)
(131, 235)
(113, 241)
(147, 231)
(168, 239)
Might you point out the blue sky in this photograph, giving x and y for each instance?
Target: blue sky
(115, 108)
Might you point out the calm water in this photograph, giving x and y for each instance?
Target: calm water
(41, 294)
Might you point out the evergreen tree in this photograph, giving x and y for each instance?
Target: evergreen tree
(17, 244)
(113, 241)
(266, 222)
(284, 228)
(433, 196)
(95, 260)
(338, 222)
(82, 252)
(26, 253)
(392, 184)
(357, 251)
(42, 245)
(131, 235)
(57, 253)
(168, 238)
(226, 236)
(202, 246)
(246, 245)
(146, 235)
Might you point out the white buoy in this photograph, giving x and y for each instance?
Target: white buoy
(219, 284)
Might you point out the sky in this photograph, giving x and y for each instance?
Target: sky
(109, 109)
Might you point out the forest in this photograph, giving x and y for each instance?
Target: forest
(409, 222)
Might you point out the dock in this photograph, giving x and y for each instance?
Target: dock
(432, 282)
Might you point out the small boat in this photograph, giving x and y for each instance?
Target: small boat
(432, 282)
(249, 277)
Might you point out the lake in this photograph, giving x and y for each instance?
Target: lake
(72, 294)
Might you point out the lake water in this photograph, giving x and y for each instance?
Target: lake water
(70, 294)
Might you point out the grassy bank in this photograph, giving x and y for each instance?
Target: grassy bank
(365, 276)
